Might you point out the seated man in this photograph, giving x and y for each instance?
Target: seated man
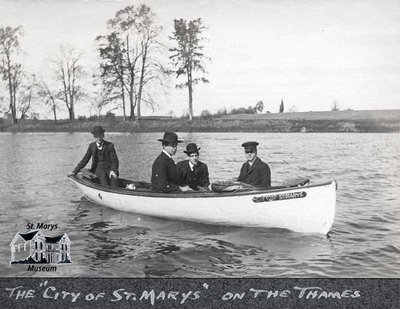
(192, 172)
(164, 176)
(104, 159)
(254, 172)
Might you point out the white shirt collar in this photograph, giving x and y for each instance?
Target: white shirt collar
(169, 156)
(191, 165)
(251, 163)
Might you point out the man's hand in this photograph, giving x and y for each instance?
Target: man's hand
(186, 189)
(113, 174)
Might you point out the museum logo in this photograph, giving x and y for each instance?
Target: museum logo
(37, 249)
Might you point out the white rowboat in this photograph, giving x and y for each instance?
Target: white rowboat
(305, 209)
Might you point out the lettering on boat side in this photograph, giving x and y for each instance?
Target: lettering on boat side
(279, 197)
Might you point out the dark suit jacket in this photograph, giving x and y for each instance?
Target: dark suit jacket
(164, 176)
(110, 158)
(192, 179)
(258, 174)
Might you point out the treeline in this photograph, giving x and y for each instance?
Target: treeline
(133, 67)
(258, 108)
(206, 114)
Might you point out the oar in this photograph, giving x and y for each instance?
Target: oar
(230, 186)
(234, 186)
(291, 183)
(296, 182)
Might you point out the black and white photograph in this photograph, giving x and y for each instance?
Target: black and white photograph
(172, 139)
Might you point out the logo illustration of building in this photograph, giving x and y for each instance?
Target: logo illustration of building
(34, 247)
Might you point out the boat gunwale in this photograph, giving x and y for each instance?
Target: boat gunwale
(155, 194)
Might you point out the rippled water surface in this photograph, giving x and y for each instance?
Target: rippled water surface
(364, 241)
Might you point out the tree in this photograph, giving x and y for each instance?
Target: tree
(259, 107)
(50, 98)
(103, 94)
(242, 110)
(205, 114)
(100, 100)
(335, 106)
(187, 57)
(129, 56)
(293, 109)
(281, 107)
(2, 109)
(27, 94)
(150, 69)
(69, 74)
(113, 70)
(10, 70)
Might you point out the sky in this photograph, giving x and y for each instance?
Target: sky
(308, 53)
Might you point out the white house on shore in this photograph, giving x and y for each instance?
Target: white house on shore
(34, 247)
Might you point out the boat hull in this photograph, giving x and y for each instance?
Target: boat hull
(309, 209)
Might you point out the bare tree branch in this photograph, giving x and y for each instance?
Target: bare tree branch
(69, 74)
(128, 53)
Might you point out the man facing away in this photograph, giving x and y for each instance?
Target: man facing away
(164, 176)
(192, 172)
(254, 172)
(104, 159)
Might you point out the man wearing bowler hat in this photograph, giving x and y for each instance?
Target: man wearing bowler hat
(254, 172)
(164, 176)
(192, 172)
(104, 159)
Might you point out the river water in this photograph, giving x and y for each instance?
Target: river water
(364, 240)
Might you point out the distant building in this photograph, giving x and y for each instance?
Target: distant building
(33, 247)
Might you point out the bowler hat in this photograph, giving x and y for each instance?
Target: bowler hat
(98, 131)
(170, 137)
(191, 148)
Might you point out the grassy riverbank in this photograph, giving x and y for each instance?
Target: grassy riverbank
(336, 121)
